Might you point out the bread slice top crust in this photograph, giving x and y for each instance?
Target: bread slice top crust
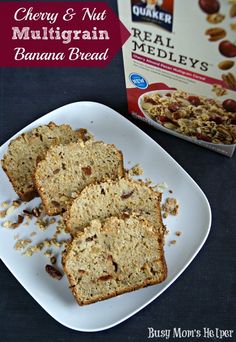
(112, 258)
(110, 198)
(68, 169)
(24, 152)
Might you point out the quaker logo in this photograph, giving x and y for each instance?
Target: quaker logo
(159, 12)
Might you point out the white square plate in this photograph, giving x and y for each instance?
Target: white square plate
(193, 221)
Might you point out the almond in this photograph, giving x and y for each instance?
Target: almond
(232, 11)
(225, 65)
(233, 26)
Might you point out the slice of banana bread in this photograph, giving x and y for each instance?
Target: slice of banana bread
(67, 169)
(25, 151)
(112, 258)
(110, 198)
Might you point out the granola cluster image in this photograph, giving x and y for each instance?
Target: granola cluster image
(194, 116)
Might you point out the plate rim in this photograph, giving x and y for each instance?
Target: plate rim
(209, 212)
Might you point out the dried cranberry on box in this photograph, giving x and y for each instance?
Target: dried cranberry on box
(150, 100)
(209, 6)
(163, 118)
(217, 119)
(233, 121)
(173, 107)
(200, 136)
(229, 105)
(227, 49)
(194, 100)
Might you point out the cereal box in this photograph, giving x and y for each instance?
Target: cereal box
(180, 68)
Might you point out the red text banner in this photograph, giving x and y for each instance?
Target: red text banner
(59, 34)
